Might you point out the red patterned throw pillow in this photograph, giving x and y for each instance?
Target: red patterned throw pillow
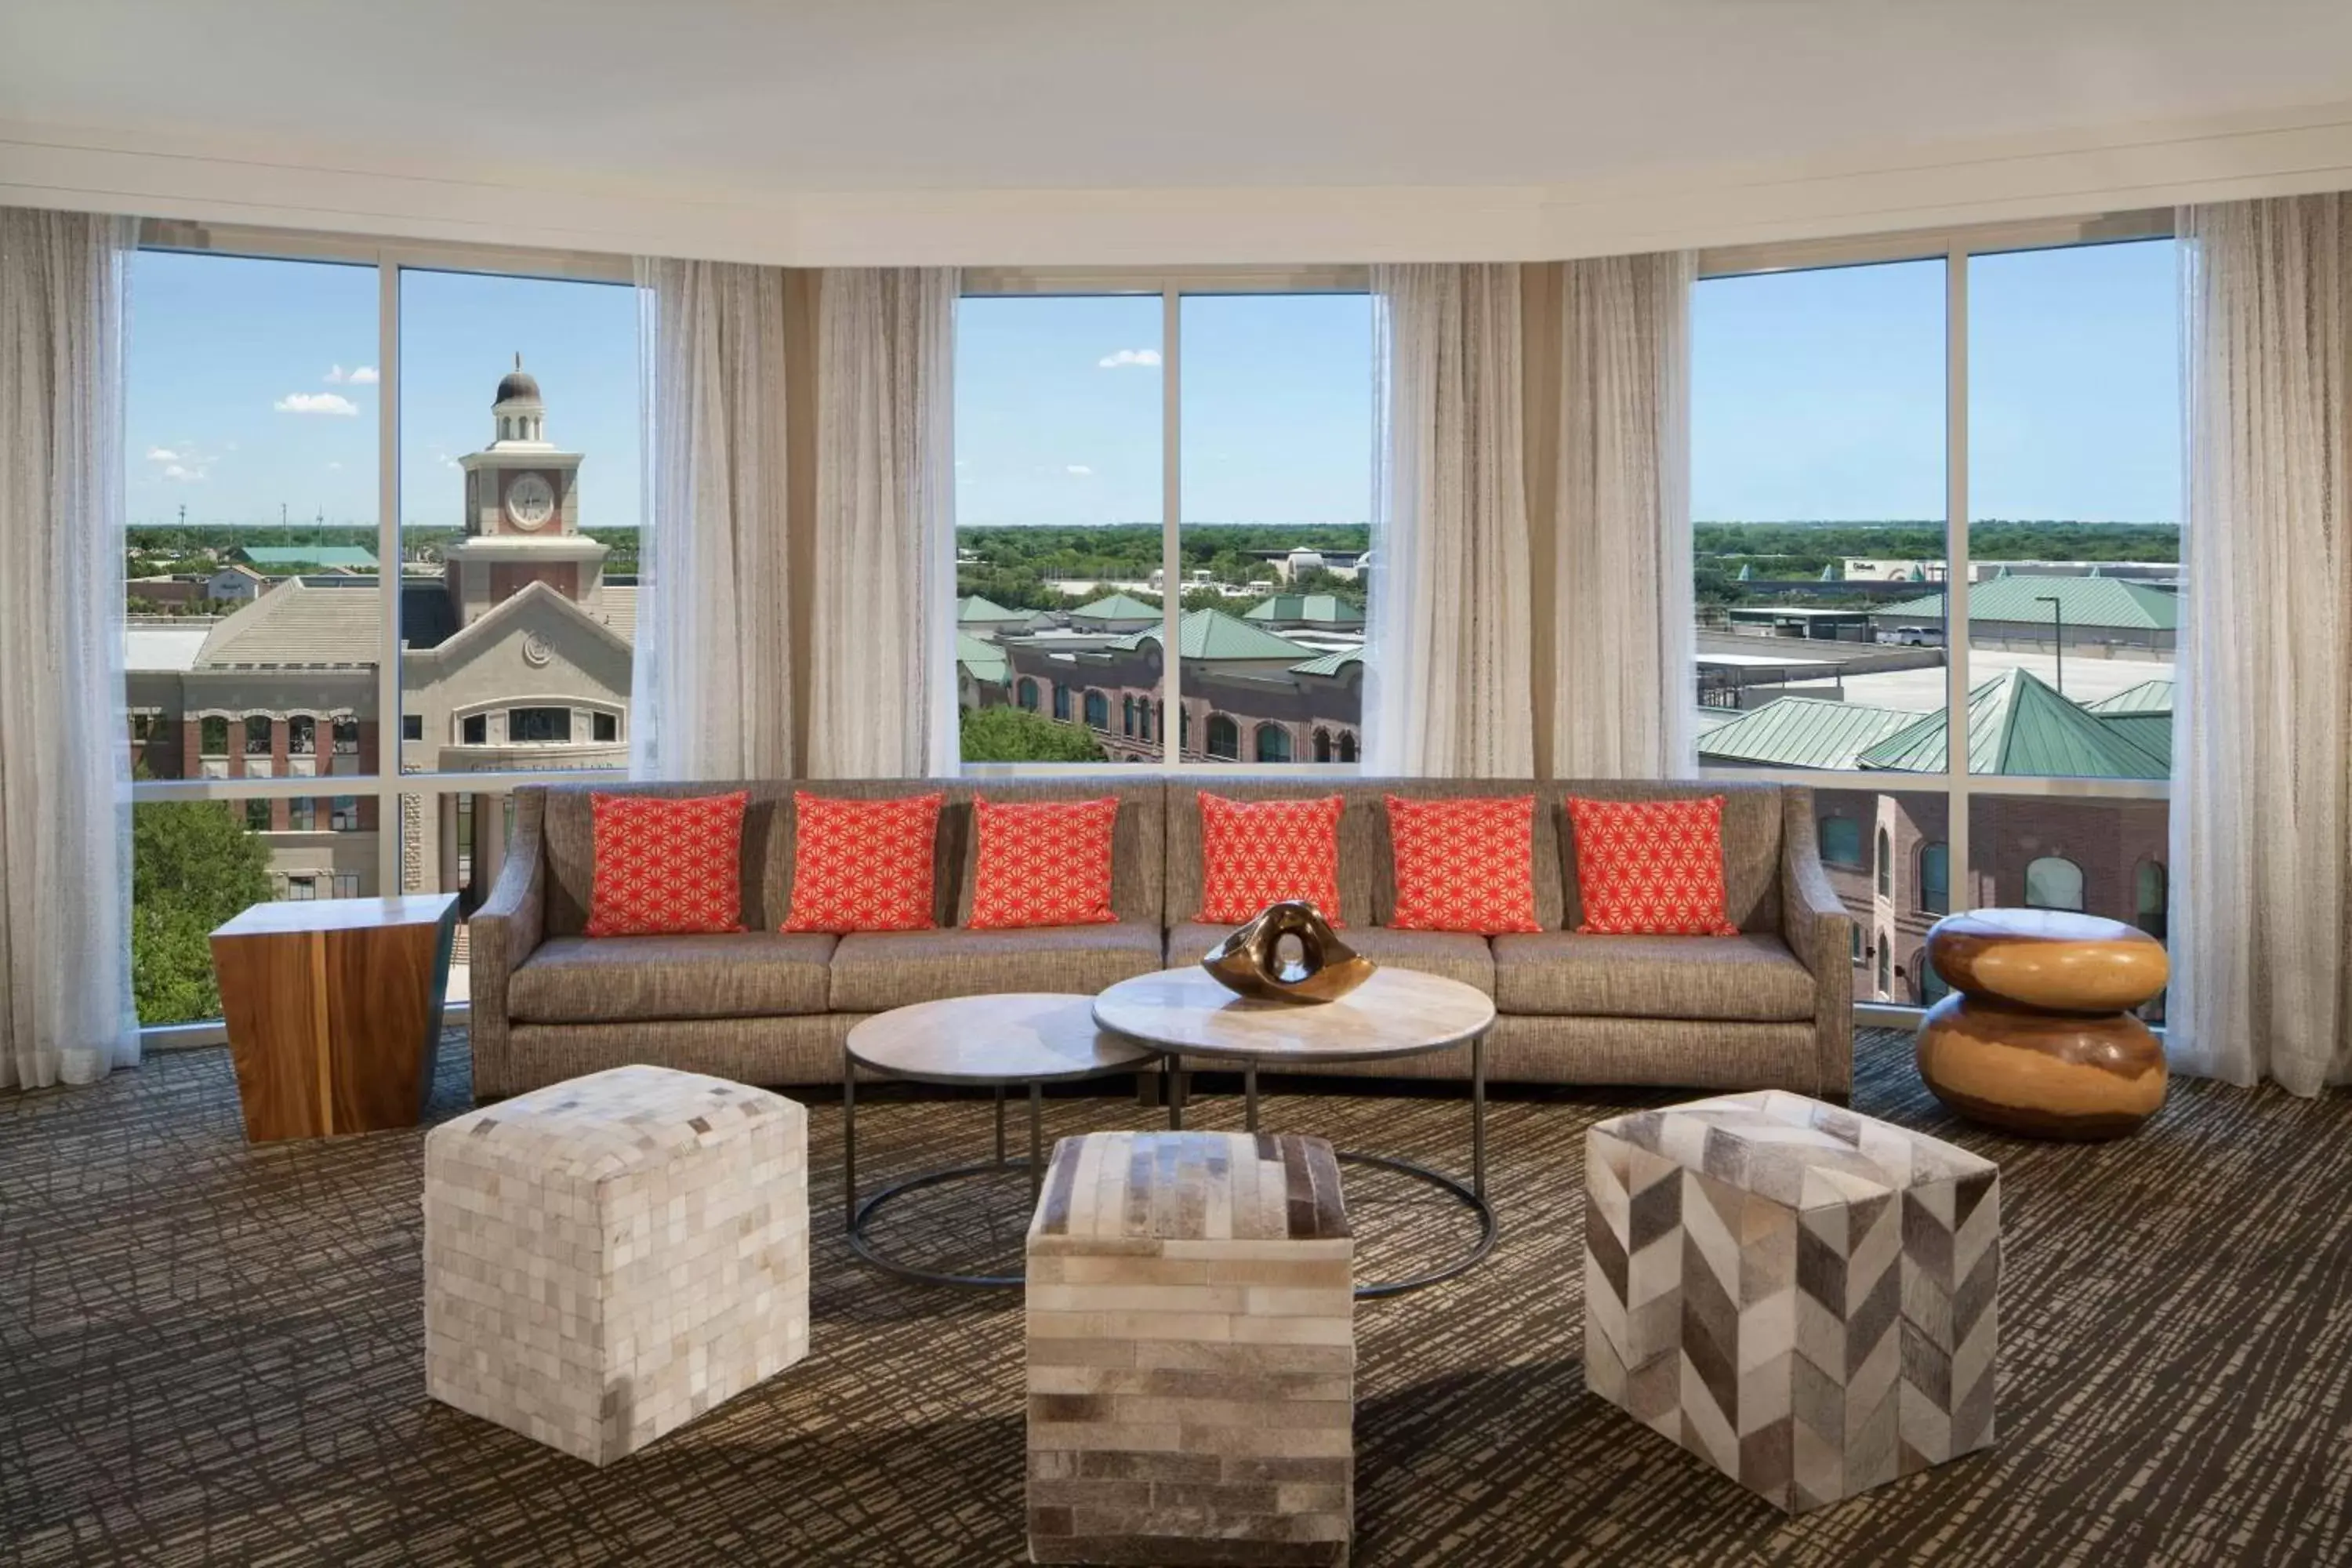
(863, 865)
(664, 867)
(1256, 853)
(1465, 865)
(1650, 868)
(1043, 863)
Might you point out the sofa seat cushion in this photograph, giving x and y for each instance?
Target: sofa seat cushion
(875, 971)
(623, 979)
(1452, 954)
(1750, 979)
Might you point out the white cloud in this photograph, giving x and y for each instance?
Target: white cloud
(162, 455)
(175, 471)
(1128, 356)
(317, 403)
(332, 466)
(359, 375)
(1078, 468)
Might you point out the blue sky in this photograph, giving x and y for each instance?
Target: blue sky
(1815, 395)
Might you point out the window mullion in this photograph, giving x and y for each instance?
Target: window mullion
(1956, 576)
(389, 576)
(1171, 513)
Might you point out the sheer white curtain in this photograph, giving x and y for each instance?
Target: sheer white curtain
(713, 694)
(882, 699)
(66, 1013)
(2262, 808)
(1448, 685)
(1625, 675)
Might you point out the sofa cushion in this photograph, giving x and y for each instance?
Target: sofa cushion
(1043, 863)
(1464, 864)
(1255, 853)
(666, 868)
(1452, 955)
(1751, 979)
(864, 864)
(618, 979)
(873, 971)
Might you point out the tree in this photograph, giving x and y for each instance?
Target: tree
(193, 868)
(1016, 735)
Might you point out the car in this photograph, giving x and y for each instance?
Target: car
(1919, 637)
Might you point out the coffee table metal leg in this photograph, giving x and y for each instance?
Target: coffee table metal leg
(1036, 1140)
(1249, 1094)
(1175, 1094)
(849, 1138)
(1000, 1124)
(1478, 1115)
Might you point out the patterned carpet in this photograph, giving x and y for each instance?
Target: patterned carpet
(211, 1353)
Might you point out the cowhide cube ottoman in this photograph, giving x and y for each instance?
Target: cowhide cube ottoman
(1191, 1352)
(607, 1258)
(1802, 1296)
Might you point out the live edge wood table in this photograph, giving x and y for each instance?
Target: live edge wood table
(1397, 1013)
(333, 1008)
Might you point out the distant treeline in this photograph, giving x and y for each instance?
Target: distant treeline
(1016, 563)
(1790, 550)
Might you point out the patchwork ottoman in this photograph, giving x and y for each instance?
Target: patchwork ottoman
(1802, 1296)
(1192, 1352)
(607, 1258)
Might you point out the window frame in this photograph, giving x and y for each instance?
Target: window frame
(385, 784)
(1172, 285)
(1955, 247)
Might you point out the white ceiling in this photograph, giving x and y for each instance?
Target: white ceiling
(732, 102)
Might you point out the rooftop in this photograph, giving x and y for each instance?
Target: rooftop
(983, 660)
(1328, 609)
(1330, 663)
(1119, 607)
(2018, 724)
(1801, 733)
(979, 609)
(2081, 601)
(1212, 633)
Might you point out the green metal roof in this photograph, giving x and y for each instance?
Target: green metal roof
(1212, 633)
(979, 609)
(1326, 609)
(2083, 601)
(2151, 732)
(982, 659)
(1330, 663)
(2018, 724)
(1801, 733)
(1119, 607)
(308, 554)
(2148, 697)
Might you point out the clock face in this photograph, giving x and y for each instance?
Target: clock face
(530, 500)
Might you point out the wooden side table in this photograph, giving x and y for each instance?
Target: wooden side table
(333, 1008)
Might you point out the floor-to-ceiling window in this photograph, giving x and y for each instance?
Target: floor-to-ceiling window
(1176, 459)
(348, 501)
(1936, 496)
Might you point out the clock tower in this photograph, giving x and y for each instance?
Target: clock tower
(522, 513)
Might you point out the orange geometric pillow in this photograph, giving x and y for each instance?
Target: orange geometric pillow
(1465, 865)
(666, 868)
(863, 865)
(1650, 868)
(1256, 853)
(1043, 863)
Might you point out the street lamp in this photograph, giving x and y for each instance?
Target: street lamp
(2058, 635)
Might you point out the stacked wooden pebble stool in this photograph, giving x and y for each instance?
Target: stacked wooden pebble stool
(1191, 1352)
(1802, 1296)
(607, 1258)
(2037, 1037)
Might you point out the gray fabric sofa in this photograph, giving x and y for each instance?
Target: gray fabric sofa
(1772, 1007)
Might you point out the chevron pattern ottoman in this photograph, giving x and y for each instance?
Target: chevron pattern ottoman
(609, 1258)
(1191, 1352)
(1802, 1296)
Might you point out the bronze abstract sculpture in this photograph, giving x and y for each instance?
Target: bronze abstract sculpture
(1250, 961)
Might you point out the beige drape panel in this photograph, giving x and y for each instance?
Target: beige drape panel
(714, 663)
(882, 683)
(1447, 677)
(2262, 810)
(1609, 456)
(66, 1012)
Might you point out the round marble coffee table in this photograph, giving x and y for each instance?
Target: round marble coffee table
(1397, 1013)
(1000, 1042)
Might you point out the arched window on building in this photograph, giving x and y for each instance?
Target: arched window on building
(1853, 937)
(1885, 877)
(2151, 898)
(302, 736)
(1097, 708)
(1885, 972)
(1183, 729)
(1224, 739)
(1346, 745)
(1061, 703)
(1025, 694)
(1273, 743)
(1322, 745)
(1840, 841)
(2053, 882)
(257, 734)
(1927, 988)
(1127, 716)
(1936, 878)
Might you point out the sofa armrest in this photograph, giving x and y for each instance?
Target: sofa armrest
(507, 930)
(1820, 933)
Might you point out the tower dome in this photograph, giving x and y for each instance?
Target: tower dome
(519, 413)
(517, 386)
